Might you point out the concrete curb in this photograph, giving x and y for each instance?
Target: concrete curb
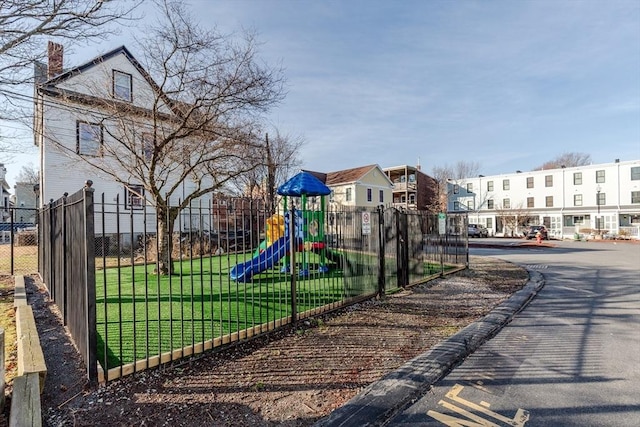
(394, 392)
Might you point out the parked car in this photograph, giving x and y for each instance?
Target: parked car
(477, 230)
(533, 231)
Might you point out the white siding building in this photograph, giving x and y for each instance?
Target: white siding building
(74, 132)
(583, 200)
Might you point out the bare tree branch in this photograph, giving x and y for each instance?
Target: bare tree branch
(566, 160)
(29, 174)
(447, 176)
(193, 133)
(25, 26)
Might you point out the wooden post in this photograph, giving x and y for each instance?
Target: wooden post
(26, 407)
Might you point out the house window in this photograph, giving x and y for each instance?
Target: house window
(548, 181)
(489, 185)
(548, 201)
(332, 196)
(505, 184)
(134, 197)
(381, 196)
(122, 86)
(575, 220)
(456, 188)
(147, 146)
(490, 204)
(348, 195)
(471, 204)
(529, 202)
(506, 203)
(635, 197)
(530, 182)
(577, 178)
(635, 173)
(600, 177)
(369, 195)
(577, 200)
(412, 199)
(489, 222)
(456, 206)
(470, 187)
(89, 139)
(601, 199)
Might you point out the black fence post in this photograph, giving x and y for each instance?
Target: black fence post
(381, 266)
(52, 250)
(65, 256)
(90, 283)
(405, 248)
(292, 263)
(11, 237)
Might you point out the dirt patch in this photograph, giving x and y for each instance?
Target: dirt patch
(292, 378)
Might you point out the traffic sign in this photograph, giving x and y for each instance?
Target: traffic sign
(366, 223)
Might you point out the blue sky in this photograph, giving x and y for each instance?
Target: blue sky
(509, 84)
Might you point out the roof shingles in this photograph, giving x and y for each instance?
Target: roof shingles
(348, 175)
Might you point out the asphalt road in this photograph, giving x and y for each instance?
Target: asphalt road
(570, 358)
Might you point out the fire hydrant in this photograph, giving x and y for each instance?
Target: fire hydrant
(538, 237)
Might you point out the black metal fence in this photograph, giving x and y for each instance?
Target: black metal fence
(237, 270)
(19, 242)
(66, 262)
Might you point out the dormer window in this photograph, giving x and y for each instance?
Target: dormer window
(122, 86)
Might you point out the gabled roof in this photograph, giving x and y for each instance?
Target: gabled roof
(174, 105)
(347, 176)
(320, 175)
(98, 60)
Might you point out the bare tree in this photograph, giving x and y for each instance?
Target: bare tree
(194, 134)
(566, 160)
(513, 219)
(280, 156)
(28, 174)
(24, 25)
(447, 177)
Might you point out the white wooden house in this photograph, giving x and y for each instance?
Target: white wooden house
(72, 126)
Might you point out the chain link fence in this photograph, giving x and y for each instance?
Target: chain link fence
(19, 242)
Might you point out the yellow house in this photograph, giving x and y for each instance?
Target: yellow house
(364, 186)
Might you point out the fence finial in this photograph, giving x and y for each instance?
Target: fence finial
(88, 183)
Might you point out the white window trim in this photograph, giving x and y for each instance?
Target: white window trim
(116, 93)
(82, 145)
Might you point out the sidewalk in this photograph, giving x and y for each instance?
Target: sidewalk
(395, 391)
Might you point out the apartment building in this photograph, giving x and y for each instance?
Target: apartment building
(412, 188)
(601, 199)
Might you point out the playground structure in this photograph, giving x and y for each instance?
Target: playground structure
(297, 231)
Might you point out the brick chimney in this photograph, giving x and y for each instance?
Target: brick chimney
(55, 53)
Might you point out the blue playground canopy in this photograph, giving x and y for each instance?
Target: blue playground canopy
(303, 183)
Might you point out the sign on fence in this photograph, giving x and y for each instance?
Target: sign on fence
(366, 223)
(442, 223)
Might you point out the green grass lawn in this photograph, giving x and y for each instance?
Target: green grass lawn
(141, 314)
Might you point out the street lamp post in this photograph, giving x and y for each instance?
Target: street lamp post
(598, 204)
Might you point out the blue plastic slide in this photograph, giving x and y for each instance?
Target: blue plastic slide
(265, 260)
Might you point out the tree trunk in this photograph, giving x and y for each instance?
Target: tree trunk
(166, 221)
(271, 180)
